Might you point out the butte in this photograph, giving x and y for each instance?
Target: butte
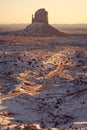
(40, 26)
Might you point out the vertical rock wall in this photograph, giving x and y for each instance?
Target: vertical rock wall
(41, 16)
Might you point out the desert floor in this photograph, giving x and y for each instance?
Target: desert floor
(43, 82)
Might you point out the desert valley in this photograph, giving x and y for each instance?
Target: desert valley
(43, 78)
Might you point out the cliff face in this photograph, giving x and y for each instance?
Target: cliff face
(40, 16)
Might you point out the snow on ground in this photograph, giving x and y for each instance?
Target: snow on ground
(45, 85)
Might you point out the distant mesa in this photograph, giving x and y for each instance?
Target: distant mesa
(40, 25)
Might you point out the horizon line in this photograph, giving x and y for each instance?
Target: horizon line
(30, 23)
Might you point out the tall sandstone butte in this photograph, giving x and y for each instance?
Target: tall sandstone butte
(40, 26)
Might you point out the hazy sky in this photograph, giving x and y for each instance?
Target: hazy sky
(60, 11)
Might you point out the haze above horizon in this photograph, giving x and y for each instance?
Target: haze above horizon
(59, 11)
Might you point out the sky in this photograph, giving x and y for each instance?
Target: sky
(59, 11)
